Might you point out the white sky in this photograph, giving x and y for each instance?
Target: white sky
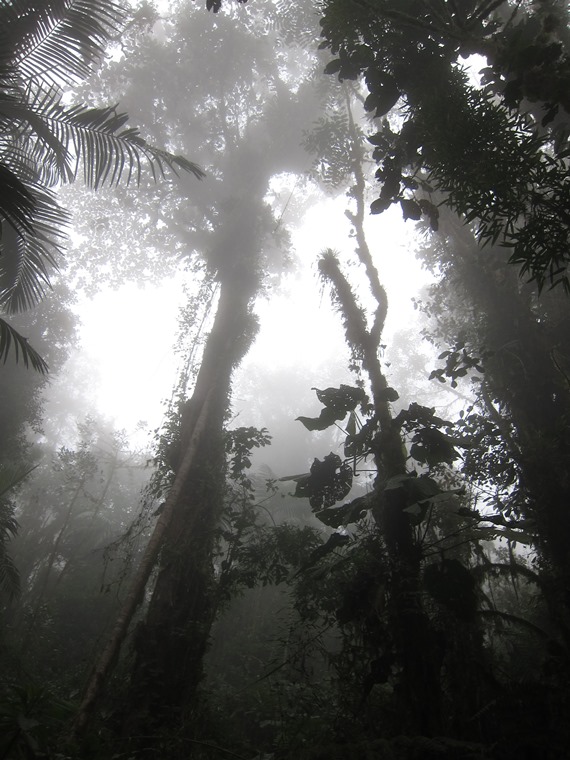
(127, 335)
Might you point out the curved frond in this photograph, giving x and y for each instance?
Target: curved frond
(28, 253)
(34, 129)
(11, 338)
(110, 154)
(44, 142)
(16, 201)
(58, 40)
(62, 139)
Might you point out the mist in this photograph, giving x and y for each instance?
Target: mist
(285, 380)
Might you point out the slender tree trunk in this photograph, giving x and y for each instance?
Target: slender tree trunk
(417, 645)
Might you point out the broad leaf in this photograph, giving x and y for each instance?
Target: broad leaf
(338, 402)
(328, 482)
(335, 517)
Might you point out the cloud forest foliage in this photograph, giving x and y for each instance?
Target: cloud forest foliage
(406, 594)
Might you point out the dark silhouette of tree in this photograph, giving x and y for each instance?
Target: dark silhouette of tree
(522, 399)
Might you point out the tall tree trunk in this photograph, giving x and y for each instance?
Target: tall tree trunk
(416, 644)
(171, 641)
(110, 652)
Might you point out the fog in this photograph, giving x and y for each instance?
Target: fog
(293, 485)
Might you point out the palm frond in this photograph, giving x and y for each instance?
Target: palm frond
(110, 154)
(16, 201)
(28, 253)
(10, 477)
(10, 337)
(31, 121)
(63, 139)
(58, 41)
(44, 43)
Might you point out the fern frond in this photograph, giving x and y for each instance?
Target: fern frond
(10, 337)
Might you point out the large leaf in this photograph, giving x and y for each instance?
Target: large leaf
(335, 541)
(432, 447)
(338, 402)
(415, 495)
(44, 142)
(16, 202)
(110, 154)
(328, 482)
(336, 517)
(29, 252)
(68, 139)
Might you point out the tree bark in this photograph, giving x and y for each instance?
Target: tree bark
(187, 511)
(171, 641)
(109, 655)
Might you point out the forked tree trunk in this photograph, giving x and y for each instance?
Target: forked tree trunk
(416, 646)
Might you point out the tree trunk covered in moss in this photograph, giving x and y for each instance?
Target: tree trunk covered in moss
(410, 639)
(171, 641)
